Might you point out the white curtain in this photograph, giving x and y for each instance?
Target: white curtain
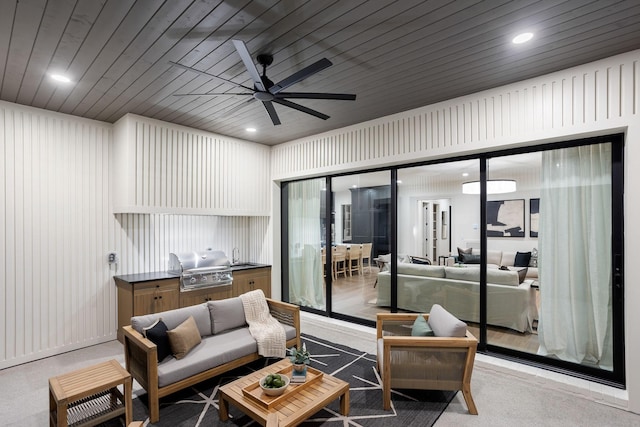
(575, 255)
(305, 262)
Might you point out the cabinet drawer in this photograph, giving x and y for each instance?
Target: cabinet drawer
(171, 284)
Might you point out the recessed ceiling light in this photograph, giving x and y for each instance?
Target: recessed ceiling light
(522, 38)
(60, 78)
(465, 174)
(251, 129)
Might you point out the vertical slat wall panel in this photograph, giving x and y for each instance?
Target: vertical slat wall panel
(146, 240)
(582, 99)
(180, 170)
(56, 290)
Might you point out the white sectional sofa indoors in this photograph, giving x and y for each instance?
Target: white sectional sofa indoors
(510, 304)
(497, 259)
(226, 343)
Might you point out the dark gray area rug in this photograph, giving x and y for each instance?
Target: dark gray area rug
(198, 405)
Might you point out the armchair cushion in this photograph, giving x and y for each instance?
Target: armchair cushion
(445, 324)
(421, 328)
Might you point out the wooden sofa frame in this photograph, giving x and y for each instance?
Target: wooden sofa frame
(142, 361)
(467, 344)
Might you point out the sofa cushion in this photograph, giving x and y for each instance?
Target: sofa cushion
(226, 314)
(522, 259)
(213, 351)
(421, 327)
(445, 324)
(184, 338)
(421, 270)
(470, 274)
(157, 334)
(173, 318)
(503, 277)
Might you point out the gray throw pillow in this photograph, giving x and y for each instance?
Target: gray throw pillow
(445, 324)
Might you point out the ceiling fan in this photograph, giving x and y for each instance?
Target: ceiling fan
(266, 91)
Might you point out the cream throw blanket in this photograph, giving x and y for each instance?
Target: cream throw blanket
(267, 331)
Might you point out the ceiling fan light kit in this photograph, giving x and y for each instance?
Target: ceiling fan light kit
(267, 92)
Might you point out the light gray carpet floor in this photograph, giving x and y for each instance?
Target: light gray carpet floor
(503, 397)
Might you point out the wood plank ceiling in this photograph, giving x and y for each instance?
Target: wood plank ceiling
(395, 55)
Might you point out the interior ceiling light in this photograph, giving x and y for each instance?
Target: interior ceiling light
(522, 38)
(251, 129)
(496, 186)
(60, 78)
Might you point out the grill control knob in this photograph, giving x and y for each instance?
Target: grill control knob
(192, 280)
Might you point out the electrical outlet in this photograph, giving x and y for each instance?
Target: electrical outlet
(112, 257)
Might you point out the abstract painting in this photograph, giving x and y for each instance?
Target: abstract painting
(505, 218)
(534, 214)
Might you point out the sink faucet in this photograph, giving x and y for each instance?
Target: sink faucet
(235, 255)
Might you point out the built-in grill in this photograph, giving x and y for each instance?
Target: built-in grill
(201, 269)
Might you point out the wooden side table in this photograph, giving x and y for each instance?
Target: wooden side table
(90, 396)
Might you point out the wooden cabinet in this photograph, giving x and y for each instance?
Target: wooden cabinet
(198, 296)
(251, 279)
(136, 298)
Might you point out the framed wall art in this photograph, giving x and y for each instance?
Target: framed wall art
(534, 214)
(505, 218)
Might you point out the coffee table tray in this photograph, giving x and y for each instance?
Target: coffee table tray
(254, 393)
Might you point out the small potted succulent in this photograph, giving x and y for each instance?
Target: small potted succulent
(299, 358)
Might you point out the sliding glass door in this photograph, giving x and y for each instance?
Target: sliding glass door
(523, 245)
(304, 232)
(360, 242)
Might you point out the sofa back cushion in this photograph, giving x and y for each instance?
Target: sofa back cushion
(173, 318)
(445, 324)
(503, 277)
(471, 274)
(421, 270)
(226, 314)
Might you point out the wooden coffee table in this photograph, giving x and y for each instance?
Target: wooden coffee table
(293, 408)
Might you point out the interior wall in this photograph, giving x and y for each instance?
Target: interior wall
(598, 98)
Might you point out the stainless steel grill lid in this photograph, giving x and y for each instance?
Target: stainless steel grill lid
(201, 269)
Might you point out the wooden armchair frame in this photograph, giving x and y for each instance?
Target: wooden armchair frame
(409, 343)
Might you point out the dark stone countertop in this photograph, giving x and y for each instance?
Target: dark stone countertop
(162, 275)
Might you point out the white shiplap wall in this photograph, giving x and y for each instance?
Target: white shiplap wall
(597, 96)
(57, 226)
(145, 240)
(55, 289)
(163, 168)
(593, 99)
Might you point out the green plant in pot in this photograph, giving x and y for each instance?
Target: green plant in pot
(300, 358)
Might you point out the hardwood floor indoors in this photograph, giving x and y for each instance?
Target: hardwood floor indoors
(356, 296)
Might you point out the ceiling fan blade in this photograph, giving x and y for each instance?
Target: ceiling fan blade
(301, 75)
(248, 63)
(301, 108)
(312, 95)
(211, 94)
(268, 105)
(210, 75)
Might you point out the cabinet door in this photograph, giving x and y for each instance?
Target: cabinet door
(248, 280)
(154, 299)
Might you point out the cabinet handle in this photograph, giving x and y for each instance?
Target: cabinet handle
(160, 297)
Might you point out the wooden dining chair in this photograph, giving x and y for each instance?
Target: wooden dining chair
(354, 260)
(339, 261)
(366, 255)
